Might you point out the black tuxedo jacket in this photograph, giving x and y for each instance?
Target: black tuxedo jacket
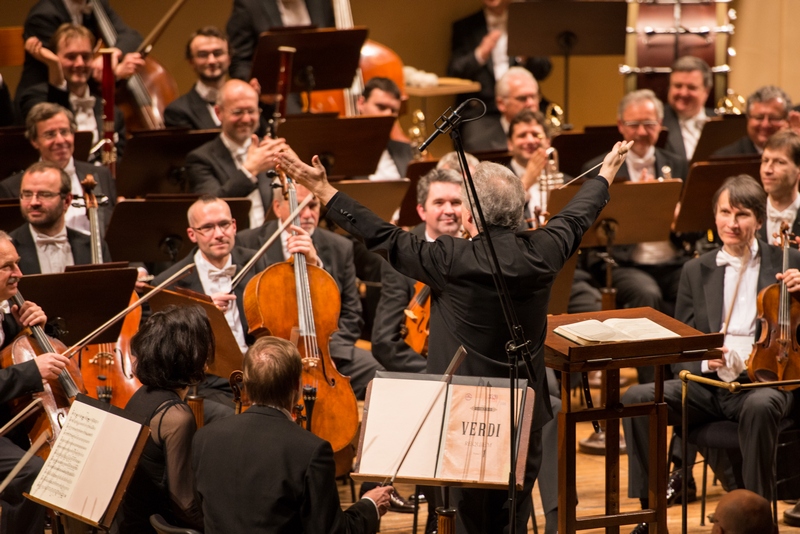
(288, 473)
(8, 114)
(106, 185)
(388, 345)
(80, 243)
(189, 111)
(465, 309)
(743, 147)
(674, 134)
(700, 292)
(43, 20)
(239, 257)
(679, 166)
(212, 171)
(336, 253)
(16, 380)
(250, 18)
(44, 92)
(762, 232)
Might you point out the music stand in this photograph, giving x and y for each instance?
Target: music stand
(717, 133)
(324, 59)
(382, 197)
(101, 293)
(227, 354)
(347, 146)
(575, 148)
(624, 213)
(155, 230)
(704, 179)
(154, 160)
(568, 29)
(10, 216)
(17, 153)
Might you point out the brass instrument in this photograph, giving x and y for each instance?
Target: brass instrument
(554, 117)
(731, 104)
(550, 179)
(418, 132)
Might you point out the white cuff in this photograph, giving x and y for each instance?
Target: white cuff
(377, 511)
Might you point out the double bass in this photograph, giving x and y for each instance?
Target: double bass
(776, 352)
(107, 368)
(300, 302)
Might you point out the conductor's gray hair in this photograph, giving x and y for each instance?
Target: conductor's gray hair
(640, 96)
(500, 193)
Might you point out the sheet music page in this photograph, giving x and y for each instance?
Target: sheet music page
(59, 476)
(389, 430)
(476, 440)
(87, 461)
(640, 328)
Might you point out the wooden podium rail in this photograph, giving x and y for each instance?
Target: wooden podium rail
(568, 357)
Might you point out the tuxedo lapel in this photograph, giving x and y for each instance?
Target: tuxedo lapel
(713, 289)
(81, 254)
(26, 248)
(271, 11)
(771, 263)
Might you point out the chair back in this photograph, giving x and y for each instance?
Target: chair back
(162, 527)
(12, 47)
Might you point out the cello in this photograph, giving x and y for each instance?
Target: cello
(300, 302)
(776, 352)
(107, 368)
(415, 329)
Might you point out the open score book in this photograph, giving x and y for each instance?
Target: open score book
(592, 331)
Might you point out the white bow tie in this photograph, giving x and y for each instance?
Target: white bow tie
(85, 103)
(779, 216)
(58, 240)
(218, 274)
(725, 258)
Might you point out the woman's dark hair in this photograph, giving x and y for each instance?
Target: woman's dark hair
(172, 347)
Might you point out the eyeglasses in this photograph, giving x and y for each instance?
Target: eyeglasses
(770, 119)
(52, 134)
(204, 54)
(41, 195)
(238, 113)
(209, 228)
(648, 125)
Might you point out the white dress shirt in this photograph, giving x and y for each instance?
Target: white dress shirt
(691, 129)
(500, 61)
(76, 216)
(775, 217)
(83, 108)
(219, 281)
(294, 13)
(741, 331)
(239, 154)
(209, 94)
(77, 9)
(54, 252)
(534, 192)
(387, 169)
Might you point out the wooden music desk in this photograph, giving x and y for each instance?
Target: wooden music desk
(569, 357)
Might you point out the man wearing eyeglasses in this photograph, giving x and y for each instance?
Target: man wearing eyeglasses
(70, 83)
(235, 163)
(44, 242)
(51, 130)
(767, 112)
(208, 54)
(217, 260)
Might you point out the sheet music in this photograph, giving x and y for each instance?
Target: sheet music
(87, 461)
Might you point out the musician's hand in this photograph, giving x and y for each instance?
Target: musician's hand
(35, 48)
(301, 243)
(30, 314)
(255, 85)
(534, 168)
(130, 65)
(488, 43)
(718, 363)
(312, 178)
(142, 278)
(51, 364)
(613, 160)
(380, 496)
(223, 301)
(792, 279)
(261, 154)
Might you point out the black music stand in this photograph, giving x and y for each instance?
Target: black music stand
(703, 181)
(381, 196)
(568, 29)
(10, 216)
(717, 133)
(78, 302)
(154, 159)
(347, 146)
(325, 58)
(155, 230)
(17, 153)
(408, 206)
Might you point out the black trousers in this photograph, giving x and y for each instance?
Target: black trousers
(19, 515)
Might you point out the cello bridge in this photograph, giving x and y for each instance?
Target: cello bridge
(102, 358)
(310, 362)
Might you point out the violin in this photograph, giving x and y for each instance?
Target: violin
(416, 329)
(57, 396)
(301, 303)
(107, 368)
(776, 352)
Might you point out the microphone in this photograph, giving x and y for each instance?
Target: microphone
(446, 123)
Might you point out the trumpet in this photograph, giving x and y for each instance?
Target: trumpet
(550, 178)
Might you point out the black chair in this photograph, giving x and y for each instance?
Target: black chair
(162, 527)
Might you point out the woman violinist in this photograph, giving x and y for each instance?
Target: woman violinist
(172, 348)
(16, 381)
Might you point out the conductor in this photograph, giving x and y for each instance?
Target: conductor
(465, 309)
